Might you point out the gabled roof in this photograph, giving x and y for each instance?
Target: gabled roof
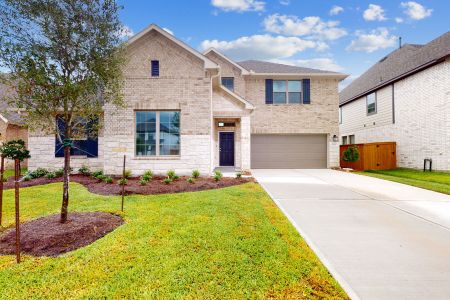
(264, 67)
(7, 114)
(399, 64)
(209, 64)
(243, 70)
(247, 104)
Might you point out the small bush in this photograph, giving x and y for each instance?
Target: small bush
(175, 177)
(167, 181)
(26, 178)
(148, 173)
(127, 174)
(101, 177)
(217, 175)
(50, 175)
(96, 173)
(143, 181)
(238, 175)
(196, 173)
(108, 179)
(146, 177)
(351, 154)
(39, 172)
(59, 172)
(123, 181)
(84, 170)
(171, 174)
(190, 180)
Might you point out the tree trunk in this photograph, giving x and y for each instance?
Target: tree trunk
(16, 187)
(65, 202)
(2, 170)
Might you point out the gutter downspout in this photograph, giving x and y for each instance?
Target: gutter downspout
(211, 140)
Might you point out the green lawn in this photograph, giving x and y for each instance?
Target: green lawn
(218, 244)
(435, 181)
(9, 173)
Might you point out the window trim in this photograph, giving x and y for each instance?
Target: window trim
(157, 135)
(286, 92)
(367, 104)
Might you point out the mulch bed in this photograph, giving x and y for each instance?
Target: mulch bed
(48, 237)
(156, 186)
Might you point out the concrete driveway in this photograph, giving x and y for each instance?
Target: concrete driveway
(379, 239)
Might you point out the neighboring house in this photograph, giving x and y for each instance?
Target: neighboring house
(404, 98)
(187, 110)
(12, 126)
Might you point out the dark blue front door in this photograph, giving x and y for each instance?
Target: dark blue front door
(226, 148)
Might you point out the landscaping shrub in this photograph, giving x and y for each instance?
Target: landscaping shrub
(190, 180)
(171, 174)
(143, 181)
(128, 174)
(108, 179)
(84, 170)
(101, 177)
(26, 178)
(217, 175)
(146, 177)
(96, 173)
(175, 177)
(196, 173)
(351, 154)
(50, 175)
(238, 175)
(39, 172)
(123, 181)
(148, 173)
(59, 172)
(167, 181)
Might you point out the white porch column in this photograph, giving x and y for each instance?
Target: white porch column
(245, 143)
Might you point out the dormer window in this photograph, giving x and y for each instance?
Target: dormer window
(155, 68)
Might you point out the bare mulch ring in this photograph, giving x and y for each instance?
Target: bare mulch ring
(156, 186)
(48, 237)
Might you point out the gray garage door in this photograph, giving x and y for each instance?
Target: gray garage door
(276, 151)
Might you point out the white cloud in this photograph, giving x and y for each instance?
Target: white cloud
(398, 20)
(415, 10)
(308, 26)
(374, 13)
(326, 64)
(372, 41)
(168, 30)
(335, 10)
(285, 2)
(125, 32)
(239, 5)
(263, 47)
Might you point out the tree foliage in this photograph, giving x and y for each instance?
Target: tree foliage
(15, 149)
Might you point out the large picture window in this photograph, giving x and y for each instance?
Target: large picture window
(157, 133)
(287, 91)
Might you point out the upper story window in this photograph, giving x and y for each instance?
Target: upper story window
(157, 133)
(228, 82)
(371, 101)
(155, 68)
(287, 91)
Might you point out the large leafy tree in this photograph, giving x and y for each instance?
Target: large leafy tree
(64, 59)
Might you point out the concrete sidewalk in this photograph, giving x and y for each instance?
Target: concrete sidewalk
(380, 239)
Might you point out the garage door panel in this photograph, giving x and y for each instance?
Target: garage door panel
(288, 151)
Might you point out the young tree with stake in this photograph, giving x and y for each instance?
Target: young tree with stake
(65, 59)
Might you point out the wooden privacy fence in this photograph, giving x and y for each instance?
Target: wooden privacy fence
(372, 156)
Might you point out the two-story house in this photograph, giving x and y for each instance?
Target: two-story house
(404, 98)
(188, 110)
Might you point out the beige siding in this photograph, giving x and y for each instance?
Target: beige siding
(422, 119)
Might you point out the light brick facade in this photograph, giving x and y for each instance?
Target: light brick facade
(413, 112)
(186, 85)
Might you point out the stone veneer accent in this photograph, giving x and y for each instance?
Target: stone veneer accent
(422, 118)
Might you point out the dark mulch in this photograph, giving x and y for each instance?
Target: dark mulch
(156, 186)
(48, 237)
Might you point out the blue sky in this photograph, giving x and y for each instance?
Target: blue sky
(345, 36)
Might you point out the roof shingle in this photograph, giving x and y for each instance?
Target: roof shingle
(258, 66)
(395, 65)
